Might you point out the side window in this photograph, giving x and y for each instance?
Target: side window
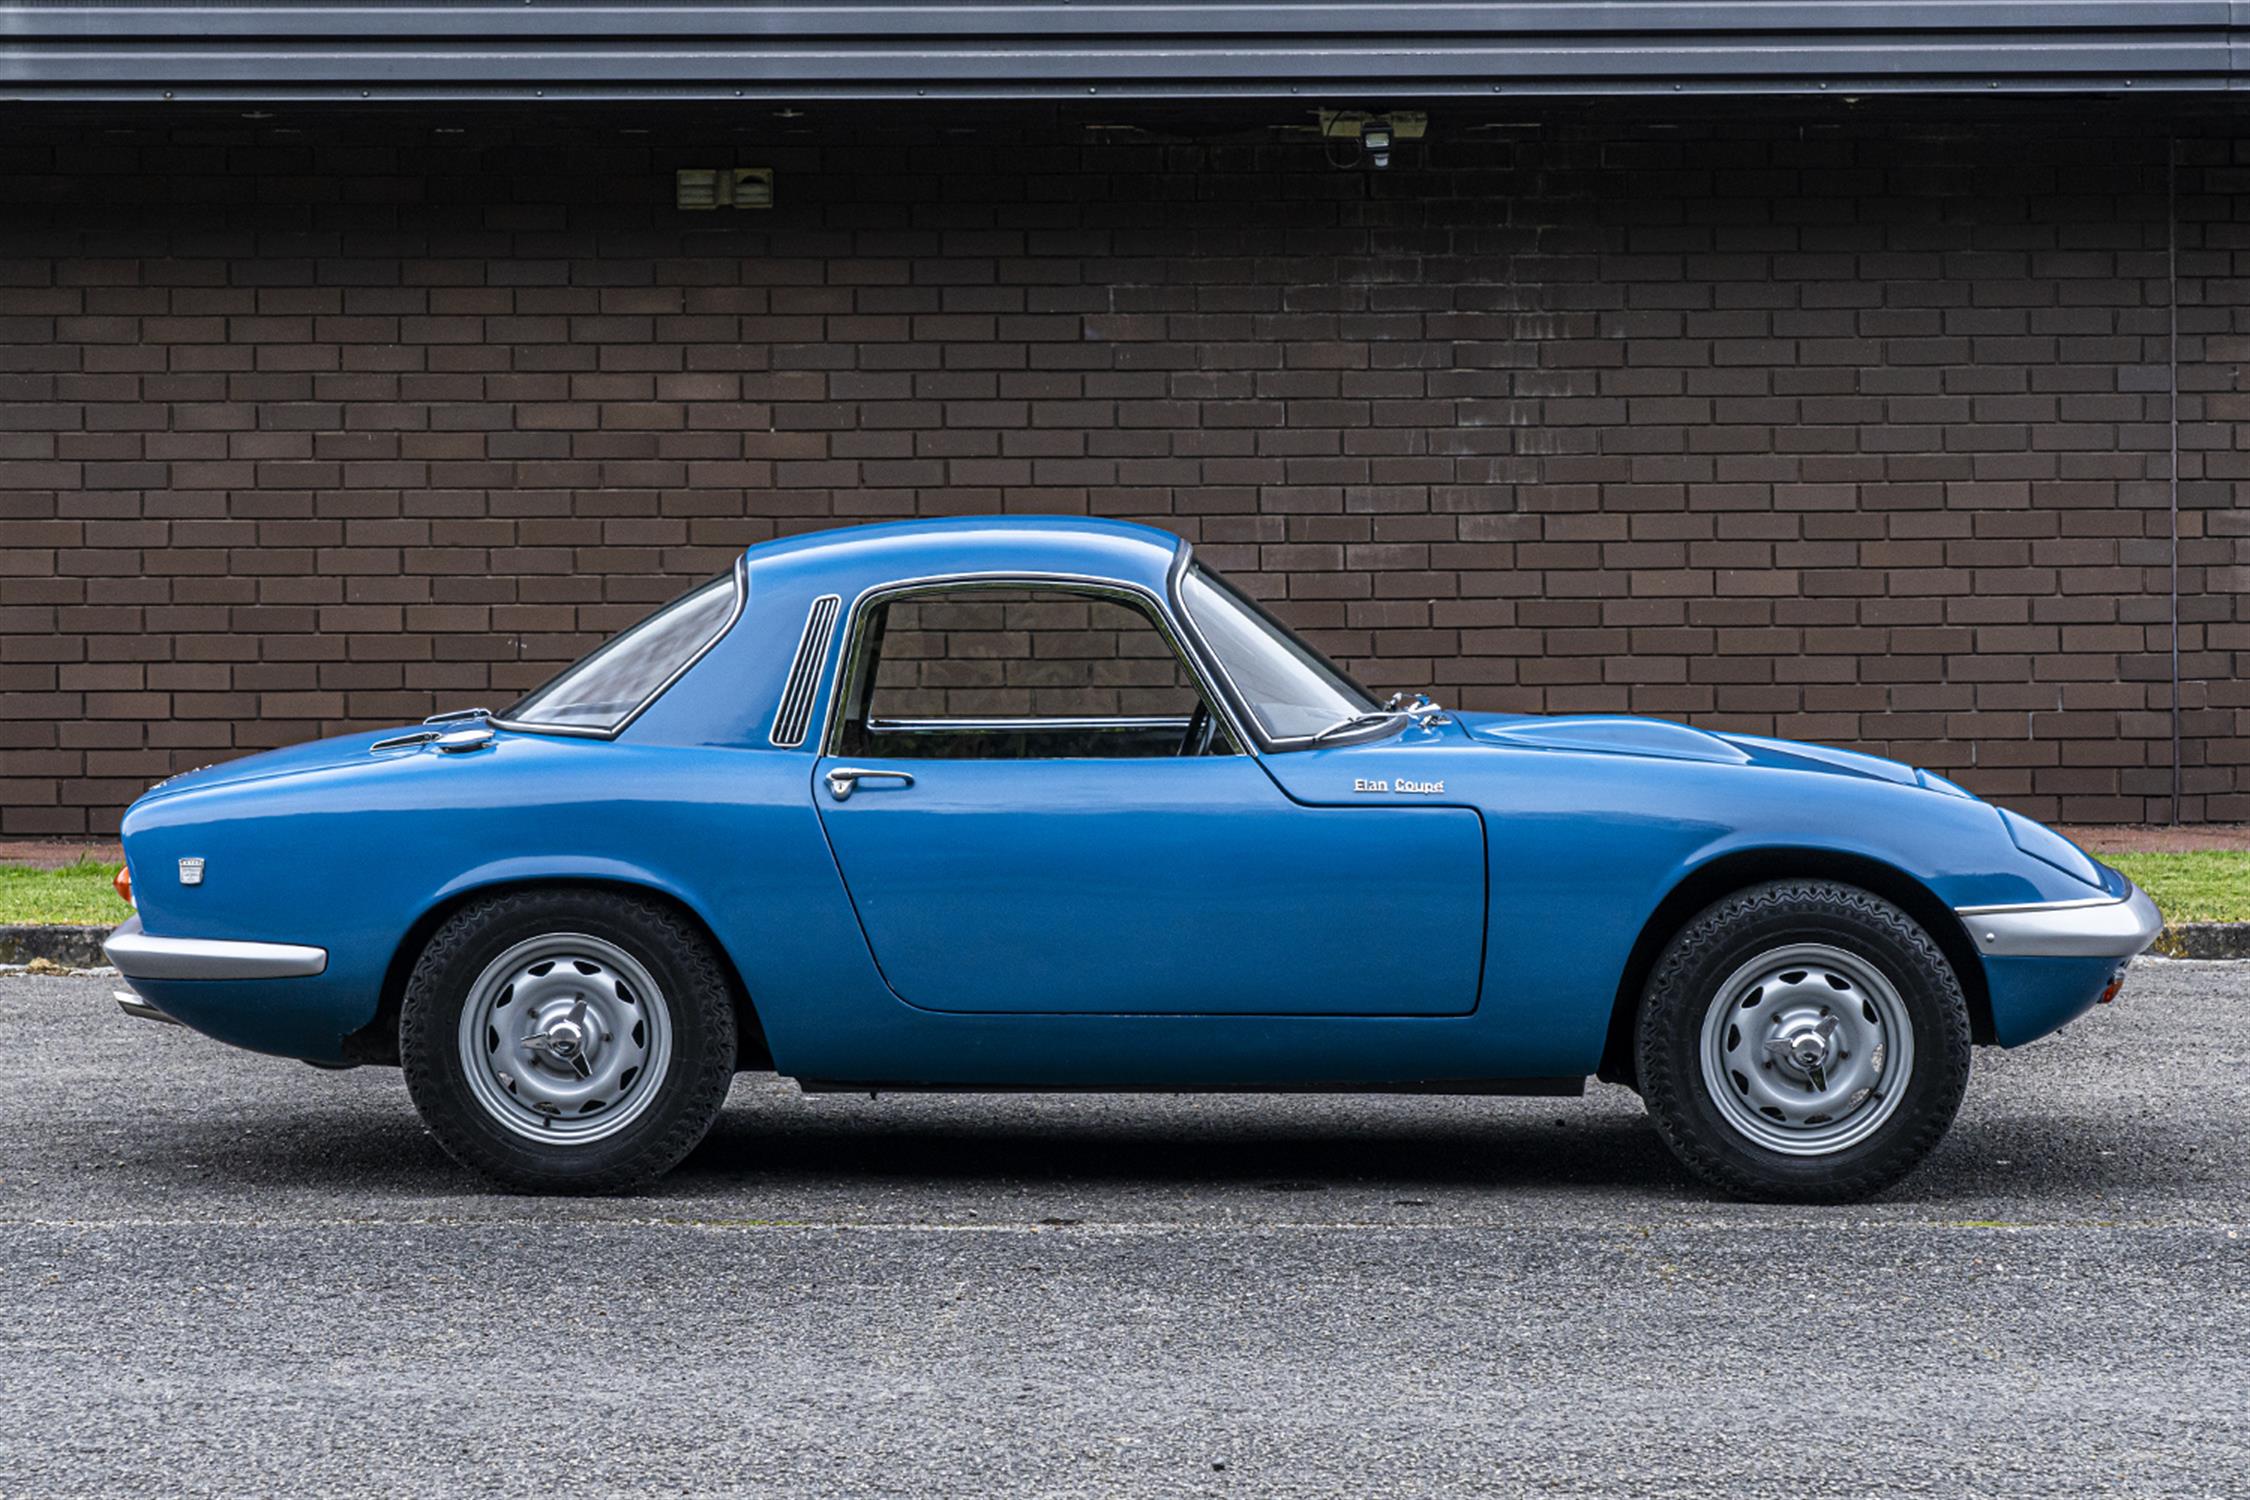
(989, 673)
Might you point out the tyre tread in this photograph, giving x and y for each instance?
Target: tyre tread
(1675, 997)
(430, 1013)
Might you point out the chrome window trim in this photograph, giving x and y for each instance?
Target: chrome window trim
(2093, 927)
(792, 718)
(140, 956)
(851, 659)
(580, 731)
(1119, 723)
(1275, 744)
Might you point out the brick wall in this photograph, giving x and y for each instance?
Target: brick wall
(1012, 653)
(1850, 431)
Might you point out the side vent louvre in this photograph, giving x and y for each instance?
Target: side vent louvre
(795, 717)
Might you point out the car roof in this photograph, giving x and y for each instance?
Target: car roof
(852, 558)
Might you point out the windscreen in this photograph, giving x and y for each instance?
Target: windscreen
(1291, 689)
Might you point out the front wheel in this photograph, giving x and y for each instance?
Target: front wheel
(1803, 1041)
(568, 1040)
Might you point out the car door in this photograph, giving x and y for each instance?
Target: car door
(1034, 810)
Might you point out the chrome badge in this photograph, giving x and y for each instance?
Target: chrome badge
(191, 870)
(1424, 788)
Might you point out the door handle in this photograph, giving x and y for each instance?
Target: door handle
(844, 778)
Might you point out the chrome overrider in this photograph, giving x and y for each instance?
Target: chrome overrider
(2099, 927)
(140, 956)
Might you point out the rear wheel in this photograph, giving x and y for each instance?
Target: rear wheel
(1803, 1041)
(568, 1040)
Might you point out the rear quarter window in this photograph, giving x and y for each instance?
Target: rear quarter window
(607, 687)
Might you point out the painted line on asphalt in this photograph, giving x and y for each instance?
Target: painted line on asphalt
(1635, 1233)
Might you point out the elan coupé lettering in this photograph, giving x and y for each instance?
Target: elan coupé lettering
(1424, 788)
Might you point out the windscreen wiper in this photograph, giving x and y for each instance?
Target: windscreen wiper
(1358, 721)
(1421, 710)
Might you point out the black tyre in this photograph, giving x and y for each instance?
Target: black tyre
(568, 1041)
(1802, 1041)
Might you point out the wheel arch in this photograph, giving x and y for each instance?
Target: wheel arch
(377, 1041)
(1735, 871)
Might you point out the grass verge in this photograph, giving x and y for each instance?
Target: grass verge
(2210, 885)
(78, 894)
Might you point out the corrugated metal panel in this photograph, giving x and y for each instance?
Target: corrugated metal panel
(1032, 49)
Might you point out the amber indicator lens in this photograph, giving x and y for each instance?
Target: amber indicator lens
(124, 884)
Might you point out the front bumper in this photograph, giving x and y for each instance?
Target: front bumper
(140, 956)
(2103, 927)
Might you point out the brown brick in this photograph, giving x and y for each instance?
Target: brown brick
(1717, 441)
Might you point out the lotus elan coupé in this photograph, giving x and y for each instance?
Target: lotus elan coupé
(1045, 803)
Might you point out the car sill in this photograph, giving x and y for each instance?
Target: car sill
(140, 956)
(2103, 927)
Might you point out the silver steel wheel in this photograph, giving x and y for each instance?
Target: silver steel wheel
(1807, 1049)
(565, 1039)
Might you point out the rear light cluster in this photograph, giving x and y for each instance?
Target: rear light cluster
(124, 884)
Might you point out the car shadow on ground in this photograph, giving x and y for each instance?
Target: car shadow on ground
(1242, 1152)
(772, 1148)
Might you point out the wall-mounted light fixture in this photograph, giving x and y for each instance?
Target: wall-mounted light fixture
(1375, 139)
(1375, 133)
(697, 188)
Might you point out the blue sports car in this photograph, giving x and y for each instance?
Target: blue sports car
(1046, 803)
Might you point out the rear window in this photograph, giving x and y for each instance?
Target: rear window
(609, 686)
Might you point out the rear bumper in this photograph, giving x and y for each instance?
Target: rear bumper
(140, 956)
(2104, 927)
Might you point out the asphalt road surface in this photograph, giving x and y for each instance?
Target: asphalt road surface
(229, 1274)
